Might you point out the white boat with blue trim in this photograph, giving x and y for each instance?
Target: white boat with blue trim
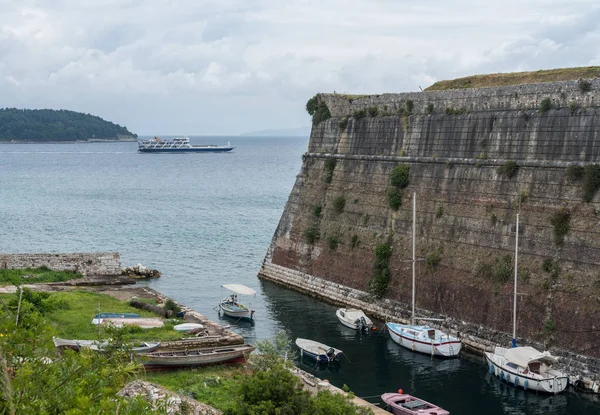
(179, 145)
(230, 306)
(528, 368)
(422, 339)
(318, 351)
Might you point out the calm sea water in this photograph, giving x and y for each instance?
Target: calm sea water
(207, 219)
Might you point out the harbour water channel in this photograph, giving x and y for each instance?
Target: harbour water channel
(207, 219)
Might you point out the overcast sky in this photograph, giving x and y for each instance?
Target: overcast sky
(230, 66)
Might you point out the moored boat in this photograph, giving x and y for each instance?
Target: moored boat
(179, 145)
(318, 351)
(207, 356)
(230, 306)
(424, 339)
(404, 404)
(355, 319)
(142, 347)
(528, 368)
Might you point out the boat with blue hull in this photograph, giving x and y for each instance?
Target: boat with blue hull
(179, 145)
(318, 351)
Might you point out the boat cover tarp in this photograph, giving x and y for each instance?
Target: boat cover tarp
(521, 356)
(239, 289)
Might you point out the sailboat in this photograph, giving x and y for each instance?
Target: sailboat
(423, 339)
(525, 366)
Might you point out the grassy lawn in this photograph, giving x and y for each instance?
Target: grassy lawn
(213, 385)
(35, 275)
(75, 320)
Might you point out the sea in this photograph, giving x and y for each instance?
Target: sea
(204, 220)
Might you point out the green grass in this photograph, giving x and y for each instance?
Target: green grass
(75, 320)
(43, 274)
(216, 386)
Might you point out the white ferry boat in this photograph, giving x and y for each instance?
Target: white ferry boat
(179, 145)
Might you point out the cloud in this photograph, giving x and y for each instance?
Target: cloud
(228, 66)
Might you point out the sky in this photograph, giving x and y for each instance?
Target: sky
(232, 66)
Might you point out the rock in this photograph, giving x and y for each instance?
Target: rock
(140, 271)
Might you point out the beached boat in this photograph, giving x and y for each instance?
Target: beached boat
(230, 305)
(143, 322)
(423, 339)
(404, 404)
(198, 357)
(318, 351)
(143, 347)
(188, 326)
(98, 317)
(355, 319)
(525, 367)
(179, 145)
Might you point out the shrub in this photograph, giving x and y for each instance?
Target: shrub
(394, 198)
(591, 181)
(172, 305)
(429, 108)
(409, 106)
(372, 111)
(400, 176)
(455, 111)
(343, 123)
(354, 242)
(311, 105)
(433, 259)
(330, 164)
(312, 233)
(322, 113)
(503, 270)
(548, 265)
(575, 173)
(439, 212)
(561, 221)
(358, 114)
(381, 271)
(584, 85)
(546, 105)
(333, 241)
(339, 203)
(572, 107)
(509, 169)
(317, 211)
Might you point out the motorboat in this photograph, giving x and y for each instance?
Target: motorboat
(422, 339)
(179, 145)
(355, 319)
(318, 351)
(230, 306)
(199, 357)
(528, 368)
(404, 404)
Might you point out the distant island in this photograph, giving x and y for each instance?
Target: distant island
(284, 132)
(25, 125)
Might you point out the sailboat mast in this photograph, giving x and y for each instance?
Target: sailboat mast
(515, 291)
(412, 319)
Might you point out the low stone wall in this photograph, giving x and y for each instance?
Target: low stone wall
(87, 263)
(474, 337)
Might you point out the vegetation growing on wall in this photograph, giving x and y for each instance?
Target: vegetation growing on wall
(561, 221)
(343, 123)
(330, 164)
(429, 109)
(354, 241)
(584, 85)
(409, 106)
(546, 105)
(591, 182)
(318, 109)
(381, 271)
(339, 203)
(333, 241)
(372, 111)
(433, 259)
(455, 111)
(439, 211)
(312, 233)
(358, 114)
(509, 169)
(394, 198)
(400, 176)
(317, 211)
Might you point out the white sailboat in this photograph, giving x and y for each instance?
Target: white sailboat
(423, 339)
(525, 366)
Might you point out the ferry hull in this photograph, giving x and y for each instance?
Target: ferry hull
(186, 150)
(444, 349)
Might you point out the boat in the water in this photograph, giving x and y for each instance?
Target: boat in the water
(179, 145)
(528, 368)
(207, 356)
(404, 404)
(142, 347)
(355, 319)
(230, 306)
(525, 367)
(423, 339)
(318, 351)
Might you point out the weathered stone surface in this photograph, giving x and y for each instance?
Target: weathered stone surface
(174, 404)
(87, 263)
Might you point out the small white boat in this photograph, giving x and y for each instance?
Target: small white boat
(143, 322)
(188, 326)
(528, 368)
(424, 339)
(143, 347)
(318, 351)
(230, 305)
(355, 319)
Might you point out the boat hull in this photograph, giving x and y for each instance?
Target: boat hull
(318, 351)
(144, 347)
(187, 150)
(391, 400)
(441, 349)
(200, 357)
(244, 314)
(497, 366)
(354, 323)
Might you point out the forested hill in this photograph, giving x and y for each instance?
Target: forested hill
(56, 125)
